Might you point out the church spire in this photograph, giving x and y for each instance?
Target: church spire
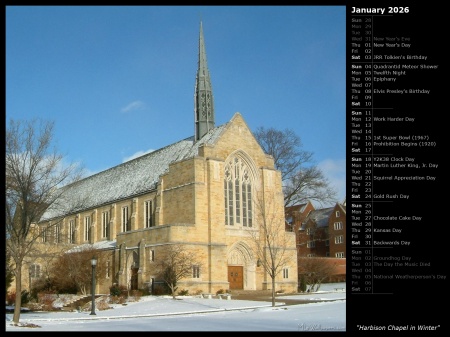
(203, 97)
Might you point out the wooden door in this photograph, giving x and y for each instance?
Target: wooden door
(134, 279)
(236, 277)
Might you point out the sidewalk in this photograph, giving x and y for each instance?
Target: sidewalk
(153, 306)
(149, 306)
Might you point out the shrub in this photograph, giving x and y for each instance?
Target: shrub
(117, 299)
(41, 285)
(161, 289)
(25, 297)
(183, 292)
(145, 291)
(116, 290)
(47, 299)
(136, 294)
(70, 289)
(35, 306)
(11, 297)
(302, 285)
(220, 291)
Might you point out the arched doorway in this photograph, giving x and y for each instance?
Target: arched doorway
(132, 270)
(134, 278)
(241, 267)
(236, 277)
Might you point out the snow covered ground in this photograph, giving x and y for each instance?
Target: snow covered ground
(162, 313)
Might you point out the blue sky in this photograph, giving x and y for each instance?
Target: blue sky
(118, 81)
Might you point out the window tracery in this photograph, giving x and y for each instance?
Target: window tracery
(238, 193)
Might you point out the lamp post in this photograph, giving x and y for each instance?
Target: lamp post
(93, 264)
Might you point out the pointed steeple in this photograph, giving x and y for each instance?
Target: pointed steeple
(203, 97)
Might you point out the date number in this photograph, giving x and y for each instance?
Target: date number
(398, 10)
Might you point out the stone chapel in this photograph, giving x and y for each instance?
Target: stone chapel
(205, 192)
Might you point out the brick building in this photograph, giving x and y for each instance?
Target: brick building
(320, 233)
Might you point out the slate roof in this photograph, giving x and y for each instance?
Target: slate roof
(320, 216)
(298, 208)
(99, 245)
(128, 179)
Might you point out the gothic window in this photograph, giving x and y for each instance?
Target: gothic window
(105, 224)
(87, 227)
(108, 269)
(148, 214)
(35, 270)
(126, 225)
(152, 255)
(238, 193)
(196, 271)
(58, 237)
(72, 231)
(43, 233)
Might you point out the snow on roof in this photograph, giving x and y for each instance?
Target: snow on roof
(298, 208)
(99, 245)
(134, 177)
(321, 216)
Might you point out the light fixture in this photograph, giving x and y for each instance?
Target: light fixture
(93, 264)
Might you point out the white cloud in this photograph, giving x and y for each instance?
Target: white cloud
(136, 105)
(88, 172)
(136, 154)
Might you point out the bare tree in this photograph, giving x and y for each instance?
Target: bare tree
(272, 242)
(316, 270)
(174, 263)
(73, 269)
(302, 180)
(34, 173)
(45, 255)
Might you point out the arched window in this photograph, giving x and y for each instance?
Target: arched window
(238, 193)
(35, 270)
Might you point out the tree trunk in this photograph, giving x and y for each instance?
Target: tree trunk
(18, 301)
(273, 290)
(172, 287)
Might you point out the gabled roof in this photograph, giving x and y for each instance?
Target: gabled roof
(343, 207)
(296, 208)
(131, 178)
(320, 216)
